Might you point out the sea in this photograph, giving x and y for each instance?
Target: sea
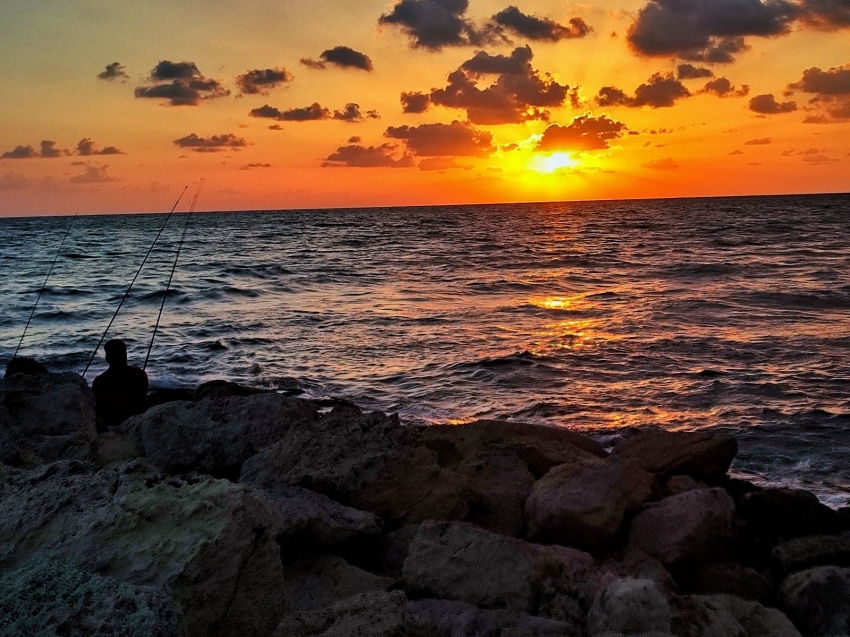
(716, 314)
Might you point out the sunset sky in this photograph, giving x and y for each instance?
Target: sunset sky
(115, 107)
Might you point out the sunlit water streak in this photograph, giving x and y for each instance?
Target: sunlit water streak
(731, 314)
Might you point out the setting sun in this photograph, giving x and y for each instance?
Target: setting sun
(553, 162)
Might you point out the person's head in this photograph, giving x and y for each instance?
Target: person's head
(116, 352)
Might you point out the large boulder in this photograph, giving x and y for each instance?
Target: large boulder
(320, 581)
(465, 563)
(701, 455)
(787, 513)
(680, 531)
(757, 620)
(583, 504)
(816, 550)
(730, 578)
(214, 436)
(630, 606)
(54, 413)
(456, 619)
(818, 600)
(698, 616)
(206, 543)
(14, 450)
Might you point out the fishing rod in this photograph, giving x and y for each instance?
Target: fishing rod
(130, 287)
(44, 285)
(173, 268)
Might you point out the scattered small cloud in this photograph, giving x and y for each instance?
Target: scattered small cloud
(442, 163)
(212, 144)
(275, 127)
(253, 166)
(818, 159)
(433, 24)
(87, 147)
(660, 91)
(736, 152)
(415, 102)
(458, 139)
(261, 81)
(767, 105)
(584, 133)
(342, 57)
(114, 71)
(721, 87)
(667, 163)
(759, 142)
(315, 112)
(92, 174)
(180, 84)
(357, 156)
(352, 113)
(831, 90)
(691, 72)
(47, 150)
(787, 153)
(538, 29)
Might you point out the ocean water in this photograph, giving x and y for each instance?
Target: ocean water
(726, 314)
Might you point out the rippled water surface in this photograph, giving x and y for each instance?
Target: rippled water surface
(730, 314)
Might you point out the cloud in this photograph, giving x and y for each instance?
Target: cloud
(433, 24)
(721, 87)
(691, 72)
(357, 156)
(539, 29)
(831, 90)
(181, 84)
(252, 166)
(87, 147)
(736, 152)
(660, 91)
(441, 163)
(415, 102)
(826, 14)
(759, 142)
(342, 57)
(114, 71)
(707, 30)
(519, 93)
(767, 105)
(20, 152)
(259, 81)
(668, 163)
(213, 144)
(315, 112)
(817, 159)
(92, 174)
(585, 133)
(351, 113)
(47, 150)
(444, 140)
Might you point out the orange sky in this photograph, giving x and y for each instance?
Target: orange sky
(106, 107)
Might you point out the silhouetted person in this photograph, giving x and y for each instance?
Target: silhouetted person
(121, 391)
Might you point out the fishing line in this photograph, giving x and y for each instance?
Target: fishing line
(173, 268)
(130, 287)
(44, 285)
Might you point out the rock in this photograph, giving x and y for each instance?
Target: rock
(584, 504)
(697, 616)
(223, 389)
(818, 600)
(14, 450)
(757, 620)
(366, 615)
(730, 578)
(23, 365)
(111, 448)
(682, 530)
(214, 436)
(392, 550)
(680, 484)
(635, 564)
(162, 395)
(787, 513)
(54, 413)
(54, 597)
(738, 488)
(321, 581)
(368, 461)
(462, 562)
(701, 455)
(458, 619)
(208, 543)
(816, 550)
(629, 606)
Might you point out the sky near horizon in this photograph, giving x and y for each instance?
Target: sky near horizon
(115, 107)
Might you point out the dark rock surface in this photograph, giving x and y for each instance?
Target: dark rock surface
(818, 601)
(787, 513)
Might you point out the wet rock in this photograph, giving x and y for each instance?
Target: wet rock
(462, 562)
(458, 619)
(214, 436)
(208, 543)
(629, 606)
(53, 413)
(111, 448)
(754, 618)
(223, 389)
(367, 615)
(368, 461)
(701, 455)
(324, 580)
(54, 597)
(787, 513)
(697, 616)
(680, 484)
(584, 504)
(818, 600)
(682, 530)
(816, 550)
(730, 578)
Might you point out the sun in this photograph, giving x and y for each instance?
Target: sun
(553, 162)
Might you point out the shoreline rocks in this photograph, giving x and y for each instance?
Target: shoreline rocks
(241, 512)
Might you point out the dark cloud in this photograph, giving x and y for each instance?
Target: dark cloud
(767, 105)
(519, 93)
(351, 113)
(667, 163)
(831, 91)
(736, 152)
(20, 152)
(441, 163)
(540, 29)
(707, 30)
(341, 56)
(826, 14)
(114, 71)
(433, 24)
(415, 102)
(252, 166)
(444, 140)
(259, 81)
(691, 72)
(314, 112)
(213, 144)
(92, 174)
(660, 91)
(181, 84)
(583, 134)
(721, 87)
(47, 150)
(87, 147)
(356, 156)
(759, 142)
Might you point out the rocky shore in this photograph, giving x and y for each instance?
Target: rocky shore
(227, 511)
